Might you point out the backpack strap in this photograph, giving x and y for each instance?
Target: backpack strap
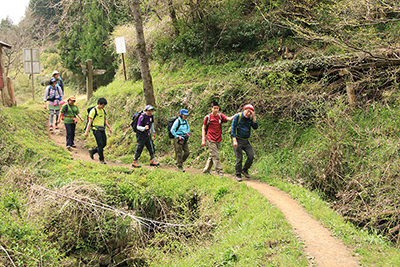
(237, 124)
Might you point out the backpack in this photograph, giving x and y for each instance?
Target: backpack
(170, 123)
(134, 120)
(208, 121)
(240, 117)
(54, 97)
(95, 114)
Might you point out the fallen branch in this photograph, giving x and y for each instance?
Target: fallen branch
(8, 256)
(140, 220)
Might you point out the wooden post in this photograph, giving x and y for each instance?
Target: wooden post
(6, 89)
(348, 77)
(123, 63)
(89, 79)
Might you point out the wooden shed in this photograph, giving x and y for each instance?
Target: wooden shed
(6, 87)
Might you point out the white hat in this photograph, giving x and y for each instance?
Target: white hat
(54, 72)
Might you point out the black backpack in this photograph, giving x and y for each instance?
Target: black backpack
(95, 114)
(134, 120)
(170, 123)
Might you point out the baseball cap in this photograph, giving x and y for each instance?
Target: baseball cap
(149, 107)
(184, 112)
(248, 106)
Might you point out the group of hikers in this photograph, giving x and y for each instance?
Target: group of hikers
(242, 123)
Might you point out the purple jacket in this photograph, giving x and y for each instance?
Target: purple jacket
(143, 121)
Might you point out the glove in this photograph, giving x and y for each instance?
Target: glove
(180, 138)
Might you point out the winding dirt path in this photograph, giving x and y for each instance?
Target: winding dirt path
(320, 246)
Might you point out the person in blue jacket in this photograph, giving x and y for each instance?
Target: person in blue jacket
(240, 133)
(181, 130)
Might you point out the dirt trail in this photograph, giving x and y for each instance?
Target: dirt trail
(321, 248)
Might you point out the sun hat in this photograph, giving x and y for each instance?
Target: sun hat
(248, 106)
(149, 107)
(72, 98)
(183, 112)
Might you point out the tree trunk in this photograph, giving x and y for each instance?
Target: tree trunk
(174, 20)
(141, 48)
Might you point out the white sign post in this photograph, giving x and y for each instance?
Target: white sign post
(32, 65)
(120, 46)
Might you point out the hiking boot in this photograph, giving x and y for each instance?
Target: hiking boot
(69, 148)
(135, 164)
(246, 174)
(154, 163)
(74, 146)
(91, 153)
(51, 128)
(102, 162)
(56, 126)
(206, 173)
(238, 178)
(181, 169)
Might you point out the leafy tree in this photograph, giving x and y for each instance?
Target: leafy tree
(84, 33)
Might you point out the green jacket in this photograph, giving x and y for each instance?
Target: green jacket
(72, 112)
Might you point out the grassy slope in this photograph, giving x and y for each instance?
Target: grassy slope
(192, 87)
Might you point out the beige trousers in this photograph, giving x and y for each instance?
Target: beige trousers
(213, 159)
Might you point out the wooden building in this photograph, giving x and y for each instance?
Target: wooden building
(6, 87)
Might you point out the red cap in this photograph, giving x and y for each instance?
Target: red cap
(248, 106)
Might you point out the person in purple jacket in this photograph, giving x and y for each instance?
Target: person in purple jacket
(143, 136)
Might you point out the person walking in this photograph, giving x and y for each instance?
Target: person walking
(143, 137)
(181, 130)
(53, 95)
(60, 81)
(97, 123)
(240, 133)
(69, 112)
(212, 136)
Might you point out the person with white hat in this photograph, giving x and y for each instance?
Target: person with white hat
(240, 133)
(143, 137)
(53, 95)
(60, 82)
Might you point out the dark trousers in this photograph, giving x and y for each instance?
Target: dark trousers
(101, 140)
(142, 141)
(181, 151)
(70, 128)
(243, 145)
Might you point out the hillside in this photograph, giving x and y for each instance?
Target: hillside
(323, 77)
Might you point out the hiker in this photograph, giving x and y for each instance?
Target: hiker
(180, 130)
(144, 125)
(97, 123)
(60, 82)
(240, 133)
(212, 128)
(53, 94)
(69, 112)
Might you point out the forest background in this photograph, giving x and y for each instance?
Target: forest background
(322, 75)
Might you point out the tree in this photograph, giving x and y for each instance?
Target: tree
(141, 48)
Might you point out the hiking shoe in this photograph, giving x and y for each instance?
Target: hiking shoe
(238, 178)
(102, 162)
(206, 173)
(74, 146)
(69, 148)
(246, 174)
(91, 153)
(154, 163)
(135, 164)
(181, 169)
(56, 126)
(51, 128)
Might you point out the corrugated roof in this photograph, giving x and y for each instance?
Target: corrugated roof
(4, 44)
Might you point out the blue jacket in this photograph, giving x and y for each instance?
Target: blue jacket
(183, 128)
(242, 130)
